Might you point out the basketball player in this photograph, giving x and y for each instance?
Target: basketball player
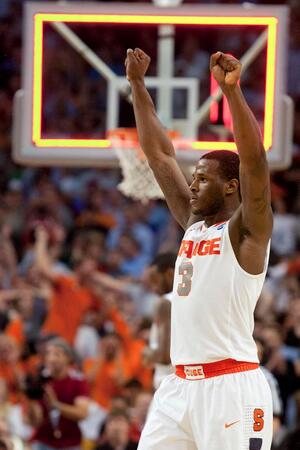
(218, 399)
(161, 275)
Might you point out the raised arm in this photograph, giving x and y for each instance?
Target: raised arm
(154, 140)
(42, 258)
(253, 221)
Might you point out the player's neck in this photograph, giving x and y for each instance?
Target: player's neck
(218, 218)
(221, 216)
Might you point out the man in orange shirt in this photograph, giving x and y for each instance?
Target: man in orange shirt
(109, 373)
(72, 294)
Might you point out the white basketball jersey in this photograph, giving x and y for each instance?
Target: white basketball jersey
(213, 299)
(153, 337)
(161, 370)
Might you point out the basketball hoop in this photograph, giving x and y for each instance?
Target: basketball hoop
(138, 179)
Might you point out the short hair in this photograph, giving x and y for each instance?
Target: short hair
(116, 413)
(164, 261)
(64, 346)
(229, 166)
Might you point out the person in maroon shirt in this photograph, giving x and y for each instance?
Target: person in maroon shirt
(64, 403)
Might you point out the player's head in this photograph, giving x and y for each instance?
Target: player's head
(215, 182)
(161, 273)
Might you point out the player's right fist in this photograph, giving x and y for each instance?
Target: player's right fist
(136, 63)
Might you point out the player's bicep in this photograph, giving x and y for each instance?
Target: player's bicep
(163, 312)
(164, 332)
(174, 186)
(256, 209)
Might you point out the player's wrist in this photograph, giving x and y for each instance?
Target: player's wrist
(230, 90)
(137, 81)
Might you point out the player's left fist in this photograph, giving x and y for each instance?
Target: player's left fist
(226, 70)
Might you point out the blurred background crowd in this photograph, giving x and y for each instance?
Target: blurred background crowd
(77, 296)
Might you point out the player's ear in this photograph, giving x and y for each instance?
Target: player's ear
(232, 186)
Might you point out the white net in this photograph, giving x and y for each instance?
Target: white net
(138, 179)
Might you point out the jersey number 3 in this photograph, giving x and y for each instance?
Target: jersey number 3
(186, 271)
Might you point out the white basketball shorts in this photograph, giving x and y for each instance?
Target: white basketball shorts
(225, 412)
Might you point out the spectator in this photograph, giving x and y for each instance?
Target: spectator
(285, 229)
(116, 433)
(71, 297)
(12, 416)
(276, 400)
(139, 414)
(292, 325)
(94, 215)
(281, 367)
(109, 372)
(10, 366)
(292, 440)
(63, 403)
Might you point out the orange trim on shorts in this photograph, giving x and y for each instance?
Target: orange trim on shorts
(209, 370)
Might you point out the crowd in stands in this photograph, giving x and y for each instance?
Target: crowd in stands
(75, 290)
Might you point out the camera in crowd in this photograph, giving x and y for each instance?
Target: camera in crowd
(34, 384)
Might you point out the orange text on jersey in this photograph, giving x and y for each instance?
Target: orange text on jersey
(202, 248)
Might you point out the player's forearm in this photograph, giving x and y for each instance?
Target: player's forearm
(152, 136)
(246, 130)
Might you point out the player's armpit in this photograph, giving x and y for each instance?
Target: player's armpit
(174, 186)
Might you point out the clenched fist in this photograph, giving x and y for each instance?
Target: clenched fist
(226, 70)
(136, 63)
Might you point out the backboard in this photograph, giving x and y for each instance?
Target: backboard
(74, 90)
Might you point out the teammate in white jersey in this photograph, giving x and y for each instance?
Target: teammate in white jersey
(161, 275)
(218, 399)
